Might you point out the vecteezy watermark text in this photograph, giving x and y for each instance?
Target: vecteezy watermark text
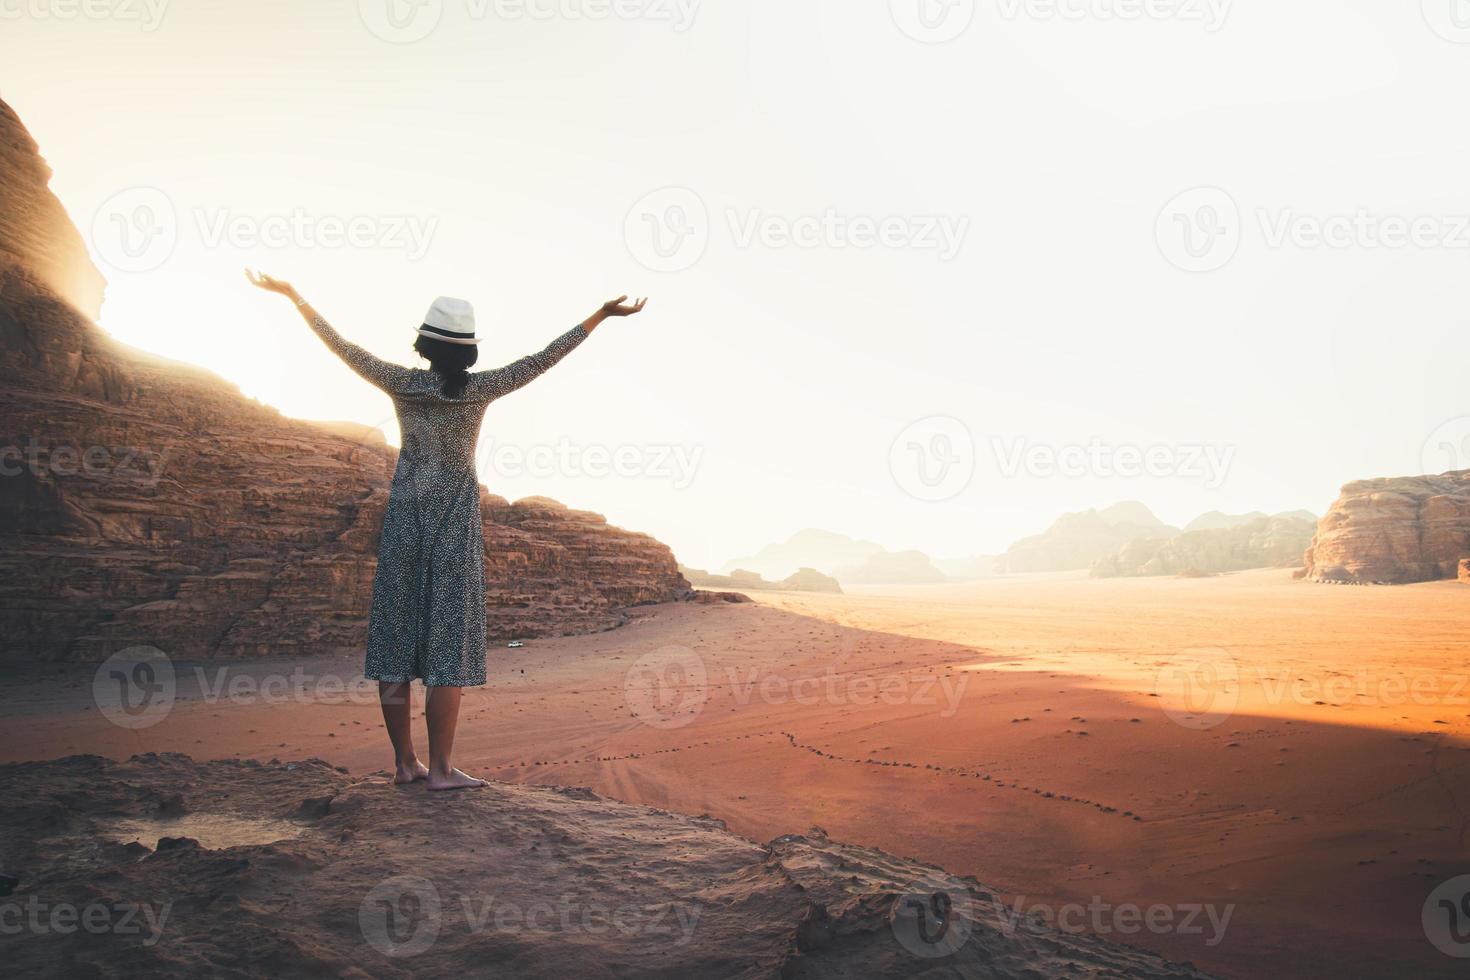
(669, 230)
(137, 229)
(1102, 918)
(675, 464)
(1209, 464)
(41, 918)
(408, 21)
(1203, 229)
(405, 915)
(148, 14)
(42, 457)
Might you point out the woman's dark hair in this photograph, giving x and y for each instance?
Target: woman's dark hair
(452, 362)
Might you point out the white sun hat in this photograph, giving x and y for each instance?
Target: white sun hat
(450, 320)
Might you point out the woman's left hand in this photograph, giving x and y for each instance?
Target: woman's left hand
(263, 281)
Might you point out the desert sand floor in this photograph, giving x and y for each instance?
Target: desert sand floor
(1292, 755)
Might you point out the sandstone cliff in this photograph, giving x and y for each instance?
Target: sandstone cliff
(285, 870)
(1396, 530)
(148, 502)
(1261, 542)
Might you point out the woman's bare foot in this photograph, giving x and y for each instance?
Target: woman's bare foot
(454, 780)
(409, 773)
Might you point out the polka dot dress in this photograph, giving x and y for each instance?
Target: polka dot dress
(428, 617)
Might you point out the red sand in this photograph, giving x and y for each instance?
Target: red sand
(1319, 813)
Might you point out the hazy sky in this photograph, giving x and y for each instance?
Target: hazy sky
(846, 227)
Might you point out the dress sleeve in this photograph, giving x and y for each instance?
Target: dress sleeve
(374, 370)
(490, 385)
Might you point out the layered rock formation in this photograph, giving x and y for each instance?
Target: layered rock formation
(1262, 542)
(144, 502)
(276, 870)
(1396, 530)
(1077, 541)
(35, 232)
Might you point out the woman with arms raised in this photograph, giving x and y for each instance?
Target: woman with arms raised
(428, 615)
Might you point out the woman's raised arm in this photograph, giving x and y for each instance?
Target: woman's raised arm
(374, 370)
(489, 385)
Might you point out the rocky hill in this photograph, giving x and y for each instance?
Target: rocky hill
(1396, 530)
(145, 502)
(1227, 546)
(287, 870)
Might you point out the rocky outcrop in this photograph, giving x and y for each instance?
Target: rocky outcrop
(1078, 541)
(1397, 530)
(297, 870)
(145, 502)
(802, 580)
(37, 239)
(1465, 569)
(1262, 542)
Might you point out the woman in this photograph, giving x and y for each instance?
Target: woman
(428, 617)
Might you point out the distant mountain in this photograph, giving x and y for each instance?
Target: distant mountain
(1131, 512)
(1216, 521)
(1262, 542)
(803, 580)
(1077, 541)
(967, 569)
(824, 551)
(892, 568)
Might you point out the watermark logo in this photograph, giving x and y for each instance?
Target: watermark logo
(1200, 688)
(1450, 19)
(401, 916)
(1448, 447)
(1446, 917)
(136, 229)
(135, 688)
(934, 916)
(933, 21)
(400, 21)
(933, 459)
(1199, 230)
(668, 230)
(667, 688)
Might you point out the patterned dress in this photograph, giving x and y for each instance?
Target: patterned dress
(428, 618)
